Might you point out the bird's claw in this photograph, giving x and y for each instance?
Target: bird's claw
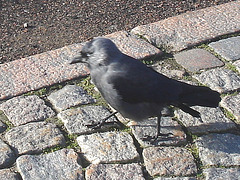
(94, 126)
(100, 124)
(159, 137)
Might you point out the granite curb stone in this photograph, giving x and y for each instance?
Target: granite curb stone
(114, 171)
(34, 137)
(212, 120)
(220, 79)
(8, 174)
(169, 161)
(222, 173)
(62, 164)
(133, 46)
(231, 103)
(219, 149)
(191, 28)
(24, 109)
(149, 128)
(76, 120)
(7, 156)
(108, 147)
(68, 96)
(228, 48)
(195, 60)
(41, 70)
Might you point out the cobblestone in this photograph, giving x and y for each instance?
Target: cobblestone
(76, 120)
(68, 96)
(24, 109)
(169, 161)
(228, 48)
(220, 79)
(222, 173)
(212, 120)
(188, 29)
(62, 164)
(148, 128)
(9, 175)
(195, 60)
(114, 171)
(108, 147)
(7, 156)
(133, 46)
(219, 149)
(237, 64)
(231, 103)
(34, 137)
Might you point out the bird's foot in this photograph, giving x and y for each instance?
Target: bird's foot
(159, 137)
(95, 125)
(99, 125)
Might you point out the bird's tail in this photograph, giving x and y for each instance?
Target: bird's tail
(199, 96)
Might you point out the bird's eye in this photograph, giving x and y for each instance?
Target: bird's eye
(84, 54)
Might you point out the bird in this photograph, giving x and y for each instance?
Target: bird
(135, 90)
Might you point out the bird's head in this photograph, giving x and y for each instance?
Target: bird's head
(97, 52)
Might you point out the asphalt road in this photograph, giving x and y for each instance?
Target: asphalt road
(33, 26)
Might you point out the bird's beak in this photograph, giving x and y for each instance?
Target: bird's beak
(76, 59)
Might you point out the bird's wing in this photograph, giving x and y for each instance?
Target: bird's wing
(137, 83)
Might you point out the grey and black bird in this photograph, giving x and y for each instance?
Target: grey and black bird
(136, 91)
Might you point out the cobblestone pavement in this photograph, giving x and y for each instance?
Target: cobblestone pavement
(46, 106)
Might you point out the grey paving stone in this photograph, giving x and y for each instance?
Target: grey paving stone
(24, 109)
(212, 120)
(8, 174)
(70, 95)
(7, 156)
(191, 28)
(228, 48)
(222, 173)
(237, 65)
(34, 137)
(76, 120)
(168, 68)
(220, 79)
(41, 70)
(114, 171)
(132, 46)
(219, 149)
(62, 164)
(149, 128)
(197, 59)
(108, 147)
(169, 161)
(231, 103)
(175, 178)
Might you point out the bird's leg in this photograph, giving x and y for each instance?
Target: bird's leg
(100, 124)
(159, 134)
(153, 139)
